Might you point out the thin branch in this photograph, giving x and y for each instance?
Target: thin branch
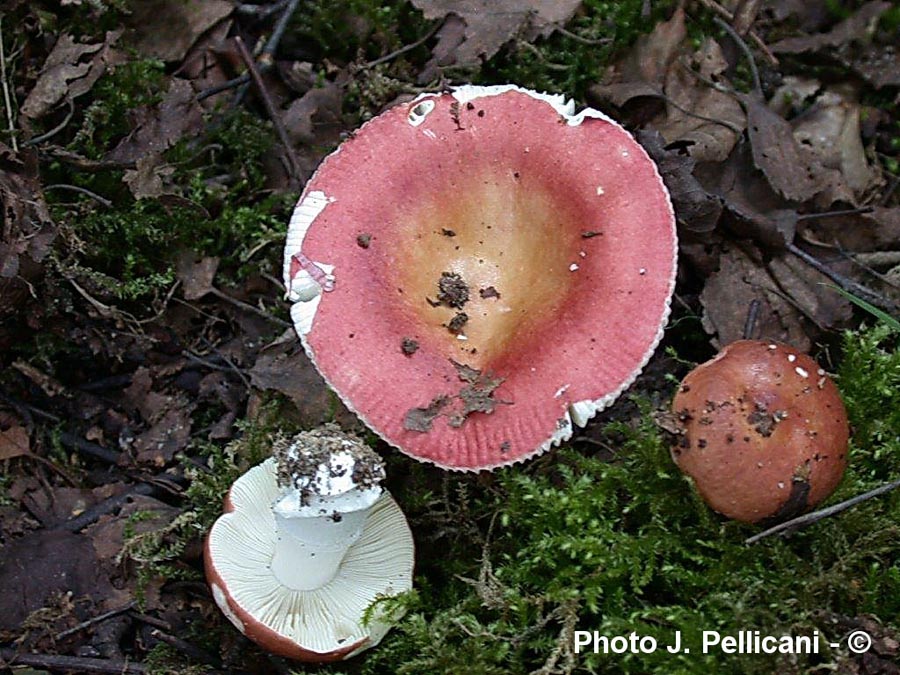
(846, 284)
(408, 48)
(248, 307)
(77, 664)
(55, 130)
(794, 524)
(93, 621)
(716, 8)
(75, 188)
(7, 99)
(270, 107)
(739, 41)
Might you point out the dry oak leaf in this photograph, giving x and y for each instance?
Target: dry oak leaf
(14, 442)
(167, 29)
(157, 128)
(643, 71)
(710, 120)
(490, 24)
(831, 131)
(66, 75)
(196, 275)
(857, 27)
(729, 292)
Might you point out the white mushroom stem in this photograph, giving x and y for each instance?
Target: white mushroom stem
(311, 540)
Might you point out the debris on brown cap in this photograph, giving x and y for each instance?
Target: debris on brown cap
(764, 432)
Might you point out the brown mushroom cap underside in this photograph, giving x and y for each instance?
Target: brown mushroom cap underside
(765, 431)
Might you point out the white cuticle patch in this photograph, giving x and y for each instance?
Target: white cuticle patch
(773, 347)
(302, 289)
(642, 271)
(222, 601)
(573, 267)
(820, 372)
(791, 358)
(599, 190)
(430, 134)
(561, 391)
(801, 372)
(419, 111)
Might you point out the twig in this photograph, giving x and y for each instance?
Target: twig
(76, 664)
(739, 41)
(690, 113)
(754, 36)
(75, 188)
(104, 508)
(750, 323)
(55, 130)
(83, 163)
(399, 52)
(248, 307)
(270, 107)
(187, 648)
(807, 519)
(268, 53)
(224, 86)
(831, 214)
(7, 100)
(93, 621)
(260, 12)
(846, 284)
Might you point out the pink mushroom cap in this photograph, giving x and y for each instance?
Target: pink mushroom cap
(550, 231)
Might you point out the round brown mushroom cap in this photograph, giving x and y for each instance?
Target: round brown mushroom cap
(765, 431)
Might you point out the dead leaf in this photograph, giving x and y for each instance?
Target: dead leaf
(168, 435)
(695, 208)
(643, 70)
(286, 369)
(831, 131)
(729, 292)
(157, 128)
(66, 75)
(878, 64)
(490, 24)
(710, 120)
(43, 564)
(166, 29)
(449, 37)
(26, 229)
(14, 442)
(789, 168)
(857, 27)
(196, 275)
(311, 116)
(146, 179)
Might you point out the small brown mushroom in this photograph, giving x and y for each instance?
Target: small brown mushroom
(764, 431)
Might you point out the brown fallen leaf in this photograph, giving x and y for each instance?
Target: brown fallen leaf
(309, 118)
(67, 73)
(196, 275)
(14, 442)
(709, 120)
(157, 128)
(286, 369)
(696, 209)
(26, 233)
(643, 70)
(146, 179)
(166, 29)
(45, 563)
(856, 27)
(729, 292)
(490, 24)
(790, 169)
(449, 37)
(877, 64)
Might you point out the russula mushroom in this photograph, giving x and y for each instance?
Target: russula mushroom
(475, 272)
(764, 431)
(307, 542)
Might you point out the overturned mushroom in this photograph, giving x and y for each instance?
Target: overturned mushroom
(307, 542)
(511, 236)
(765, 432)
